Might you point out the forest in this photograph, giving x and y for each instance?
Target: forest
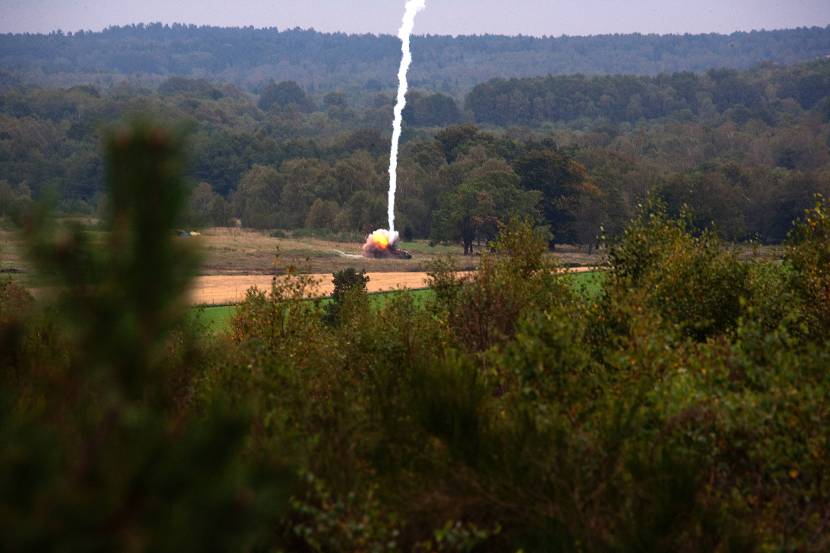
(623, 98)
(325, 62)
(682, 407)
(745, 151)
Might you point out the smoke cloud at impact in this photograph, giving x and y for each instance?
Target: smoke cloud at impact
(382, 242)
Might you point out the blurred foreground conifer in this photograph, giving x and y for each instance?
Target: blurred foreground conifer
(99, 450)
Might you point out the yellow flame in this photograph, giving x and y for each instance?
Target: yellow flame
(381, 239)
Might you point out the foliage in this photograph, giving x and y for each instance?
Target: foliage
(348, 280)
(101, 448)
(199, 88)
(630, 98)
(489, 197)
(748, 171)
(433, 110)
(809, 256)
(285, 96)
(349, 289)
(689, 280)
(351, 523)
(252, 57)
(562, 182)
(271, 317)
(207, 208)
(684, 409)
(14, 204)
(259, 190)
(484, 309)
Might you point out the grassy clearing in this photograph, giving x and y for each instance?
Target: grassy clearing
(424, 247)
(420, 297)
(218, 318)
(589, 284)
(215, 318)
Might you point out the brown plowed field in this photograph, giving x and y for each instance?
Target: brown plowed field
(224, 289)
(228, 289)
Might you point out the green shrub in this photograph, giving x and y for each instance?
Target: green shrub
(484, 307)
(353, 523)
(809, 256)
(283, 312)
(692, 281)
(349, 292)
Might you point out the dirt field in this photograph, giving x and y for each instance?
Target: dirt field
(247, 252)
(238, 251)
(229, 289)
(236, 259)
(11, 262)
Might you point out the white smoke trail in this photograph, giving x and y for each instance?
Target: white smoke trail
(412, 9)
(349, 255)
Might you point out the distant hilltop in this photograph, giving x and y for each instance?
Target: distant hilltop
(250, 57)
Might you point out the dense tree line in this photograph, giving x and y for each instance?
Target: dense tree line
(682, 406)
(283, 159)
(765, 93)
(322, 62)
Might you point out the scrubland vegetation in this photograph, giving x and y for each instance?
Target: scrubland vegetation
(686, 407)
(677, 401)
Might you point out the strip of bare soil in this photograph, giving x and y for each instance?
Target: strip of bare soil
(230, 289)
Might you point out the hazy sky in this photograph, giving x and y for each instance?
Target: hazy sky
(530, 17)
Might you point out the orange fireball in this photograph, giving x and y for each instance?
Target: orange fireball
(380, 243)
(380, 238)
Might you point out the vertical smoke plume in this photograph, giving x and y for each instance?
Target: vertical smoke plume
(383, 242)
(412, 9)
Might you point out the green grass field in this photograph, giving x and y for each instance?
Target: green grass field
(218, 318)
(589, 284)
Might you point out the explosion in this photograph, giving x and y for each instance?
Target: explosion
(383, 243)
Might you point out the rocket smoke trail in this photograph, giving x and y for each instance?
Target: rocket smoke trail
(382, 243)
(412, 9)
